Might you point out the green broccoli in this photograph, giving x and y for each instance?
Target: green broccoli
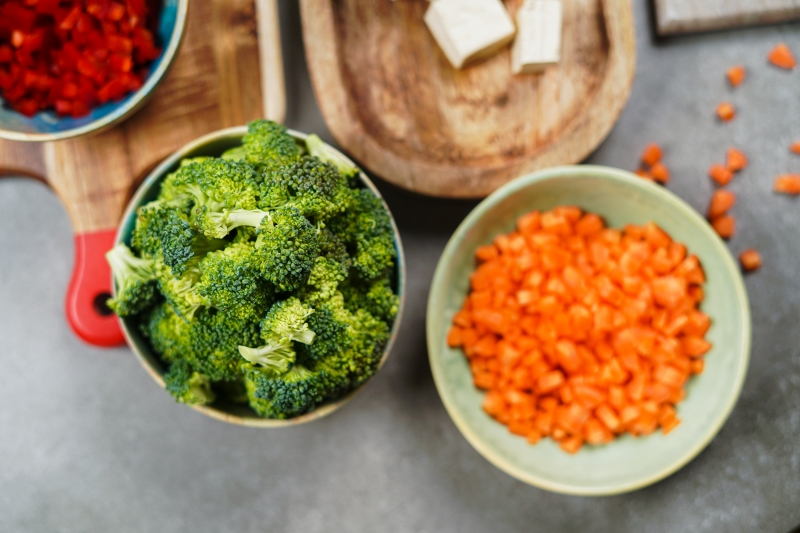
(315, 188)
(320, 150)
(135, 279)
(377, 297)
(231, 282)
(286, 248)
(237, 153)
(291, 394)
(187, 386)
(180, 291)
(285, 323)
(268, 145)
(168, 191)
(368, 227)
(167, 332)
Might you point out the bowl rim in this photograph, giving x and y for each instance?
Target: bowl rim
(137, 100)
(435, 297)
(155, 177)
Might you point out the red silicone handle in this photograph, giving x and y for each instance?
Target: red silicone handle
(89, 288)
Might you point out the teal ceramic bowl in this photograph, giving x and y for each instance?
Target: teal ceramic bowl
(214, 144)
(49, 126)
(628, 463)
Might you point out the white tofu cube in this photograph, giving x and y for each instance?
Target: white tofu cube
(538, 42)
(468, 30)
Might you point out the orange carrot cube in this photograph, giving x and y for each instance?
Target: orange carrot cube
(736, 75)
(726, 111)
(725, 226)
(720, 174)
(660, 173)
(750, 259)
(652, 154)
(736, 160)
(721, 202)
(788, 184)
(782, 57)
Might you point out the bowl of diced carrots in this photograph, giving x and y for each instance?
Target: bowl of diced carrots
(73, 67)
(588, 331)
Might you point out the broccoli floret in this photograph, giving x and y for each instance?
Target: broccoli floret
(181, 291)
(323, 281)
(315, 188)
(237, 153)
(187, 386)
(214, 338)
(268, 145)
(368, 227)
(167, 332)
(135, 280)
(320, 150)
(296, 392)
(285, 323)
(168, 191)
(286, 248)
(377, 297)
(231, 282)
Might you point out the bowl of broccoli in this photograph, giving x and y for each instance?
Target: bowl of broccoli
(259, 276)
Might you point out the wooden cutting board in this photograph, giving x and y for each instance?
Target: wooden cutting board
(214, 83)
(392, 100)
(682, 16)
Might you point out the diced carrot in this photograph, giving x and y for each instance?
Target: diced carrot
(795, 147)
(697, 366)
(736, 160)
(736, 75)
(660, 173)
(669, 376)
(782, 57)
(725, 111)
(629, 414)
(571, 445)
(572, 417)
(725, 226)
(720, 174)
(669, 291)
(608, 417)
(463, 319)
(454, 338)
(695, 346)
(655, 236)
(652, 154)
(668, 426)
(788, 184)
(549, 382)
(530, 222)
(597, 433)
(589, 224)
(644, 425)
(487, 253)
(721, 202)
(698, 324)
(750, 259)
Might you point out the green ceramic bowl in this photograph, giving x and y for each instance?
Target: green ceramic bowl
(214, 144)
(628, 463)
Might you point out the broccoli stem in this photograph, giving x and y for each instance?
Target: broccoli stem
(127, 268)
(276, 355)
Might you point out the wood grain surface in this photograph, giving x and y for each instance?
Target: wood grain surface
(390, 97)
(682, 16)
(214, 83)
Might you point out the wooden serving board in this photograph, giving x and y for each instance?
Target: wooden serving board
(214, 83)
(683, 16)
(392, 100)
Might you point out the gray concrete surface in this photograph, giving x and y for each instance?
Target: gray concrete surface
(88, 443)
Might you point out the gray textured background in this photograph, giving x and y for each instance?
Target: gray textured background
(89, 444)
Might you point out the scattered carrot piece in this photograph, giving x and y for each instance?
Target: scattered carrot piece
(721, 202)
(581, 333)
(726, 111)
(652, 154)
(750, 259)
(795, 147)
(782, 57)
(736, 160)
(788, 184)
(660, 173)
(725, 226)
(720, 174)
(736, 75)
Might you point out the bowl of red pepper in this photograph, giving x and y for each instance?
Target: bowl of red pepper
(71, 67)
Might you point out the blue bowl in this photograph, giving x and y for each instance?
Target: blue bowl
(49, 126)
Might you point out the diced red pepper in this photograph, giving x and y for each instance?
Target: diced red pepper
(115, 12)
(17, 16)
(71, 18)
(27, 107)
(6, 54)
(63, 107)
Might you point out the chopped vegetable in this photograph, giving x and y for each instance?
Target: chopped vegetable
(720, 174)
(736, 75)
(724, 225)
(782, 57)
(795, 147)
(262, 277)
(750, 259)
(642, 173)
(660, 173)
(652, 154)
(73, 55)
(725, 111)
(736, 160)
(788, 184)
(582, 333)
(721, 202)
